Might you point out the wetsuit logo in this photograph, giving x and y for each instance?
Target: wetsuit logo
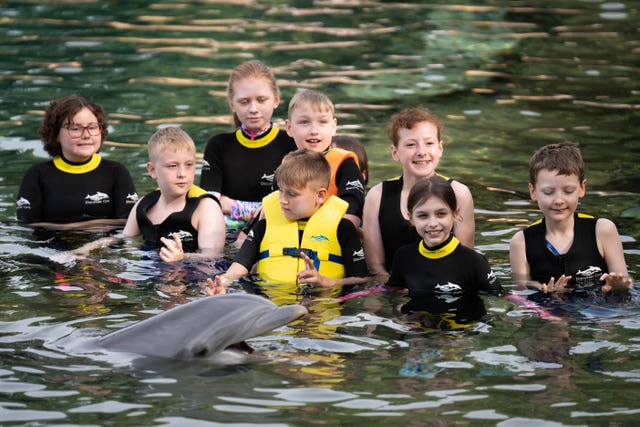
(449, 292)
(184, 236)
(266, 180)
(132, 198)
(358, 255)
(205, 165)
(96, 199)
(23, 203)
(588, 278)
(354, 185)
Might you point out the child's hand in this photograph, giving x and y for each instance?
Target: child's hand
(172, 249)
(615, 282)
(215, 287)
(558, 286)
(310, 275)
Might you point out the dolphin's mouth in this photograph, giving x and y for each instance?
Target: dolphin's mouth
(241, 347)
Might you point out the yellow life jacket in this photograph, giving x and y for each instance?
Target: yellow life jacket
(335, 157)
(279, 259)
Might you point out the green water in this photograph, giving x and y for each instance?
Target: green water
(506, 77)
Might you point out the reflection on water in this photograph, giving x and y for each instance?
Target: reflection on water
(506, 76)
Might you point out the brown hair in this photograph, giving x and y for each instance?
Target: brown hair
(246, 70)
(355, 145)
(302, 167)
(59, 113)
(564, 157)
(408, 118)
(317, 100)
(172, 137)
(434, 186)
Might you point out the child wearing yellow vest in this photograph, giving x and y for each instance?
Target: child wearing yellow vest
(304, 238)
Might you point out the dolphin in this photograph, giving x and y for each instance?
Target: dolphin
(203, 328)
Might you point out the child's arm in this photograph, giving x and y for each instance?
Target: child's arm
(610, 247)
(464, 229)
(209, 221)
(235, 271)
(131, 227)
(372, 236)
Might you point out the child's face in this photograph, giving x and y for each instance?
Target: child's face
(557, 195)
(300, 203)
(311, 127)
(80, 148)
(253, 102)
(174, 170)
(433, 220)
(418, 150)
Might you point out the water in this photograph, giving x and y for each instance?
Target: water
(507, 77)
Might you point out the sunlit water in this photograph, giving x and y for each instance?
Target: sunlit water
(506, 76)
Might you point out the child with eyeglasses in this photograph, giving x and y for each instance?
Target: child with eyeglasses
(77, 188)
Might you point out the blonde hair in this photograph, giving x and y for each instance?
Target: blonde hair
(303, 167)
(169, 137)
(317, 100)
(246, 70)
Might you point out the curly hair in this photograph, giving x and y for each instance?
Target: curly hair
(60, 112)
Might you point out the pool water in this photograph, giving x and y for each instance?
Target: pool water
(505, 76)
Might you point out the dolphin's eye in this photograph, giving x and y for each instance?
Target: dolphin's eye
(200, 352)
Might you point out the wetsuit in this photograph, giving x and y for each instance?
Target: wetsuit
(242, 168)
(347, 180)
(177, 222)
(62, 192)
(582, 261)
(443, 279)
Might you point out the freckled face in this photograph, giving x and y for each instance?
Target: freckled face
(557, 195)
(418, 150)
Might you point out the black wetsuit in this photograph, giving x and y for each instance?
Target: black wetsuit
(62, 192)
(582, 261)
(177, 222)
(241, 168)
(444, 279)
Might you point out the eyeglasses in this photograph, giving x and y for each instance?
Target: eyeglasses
(76, 131)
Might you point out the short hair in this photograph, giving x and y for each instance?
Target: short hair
(302, 167)
(408, 118)
(564, 157)
(355, 145)
(59, 113)
(249, 69)
(317, 100)
(433, 186)
(169, 137)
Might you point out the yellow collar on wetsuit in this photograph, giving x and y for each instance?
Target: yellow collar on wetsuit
(260, 141)
(67, 167)
(439, 251)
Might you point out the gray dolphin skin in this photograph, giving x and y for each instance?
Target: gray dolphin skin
(202, 328)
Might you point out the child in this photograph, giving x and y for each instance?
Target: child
(77, 189)
(441, 275)
(350, 143)
(179, 217)
(304, 237)
(416, 137)
(238, 166)
(565, 251)
(312, 124)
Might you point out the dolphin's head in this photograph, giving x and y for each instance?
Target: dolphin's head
(204, 328)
